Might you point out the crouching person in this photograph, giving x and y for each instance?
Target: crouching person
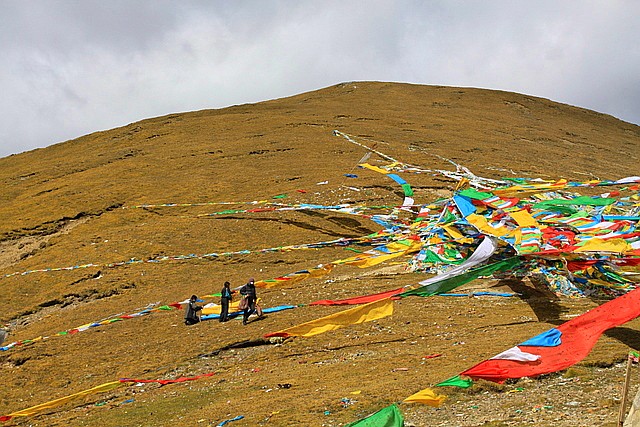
(191, 314)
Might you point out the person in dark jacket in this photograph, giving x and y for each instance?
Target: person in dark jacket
(249, 292)
(191, 315)
(225, 299)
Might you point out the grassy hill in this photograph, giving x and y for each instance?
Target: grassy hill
(78, 203)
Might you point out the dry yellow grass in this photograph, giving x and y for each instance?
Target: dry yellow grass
(63, 206)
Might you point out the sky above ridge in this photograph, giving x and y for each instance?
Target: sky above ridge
(73, 67)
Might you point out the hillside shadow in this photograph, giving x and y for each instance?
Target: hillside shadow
(299, 224)
(544, 303)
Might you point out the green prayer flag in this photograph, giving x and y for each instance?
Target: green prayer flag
(451, 253)
(450, 283)
(280, 196)
(448, 217)
(578, 201)
(386, 417)
(226, 212)
(354, 250)
(475, 194)
(456, 381)
(615, 277)
(407, 190)
(433, 258)
(566, 210)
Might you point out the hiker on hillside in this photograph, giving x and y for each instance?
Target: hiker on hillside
(225, 299)
(191, 315)
(248, 291)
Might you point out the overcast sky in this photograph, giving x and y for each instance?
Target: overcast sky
(69, 68)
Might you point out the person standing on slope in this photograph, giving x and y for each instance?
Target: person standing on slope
(3, 335)
(225, 299)
(248, 291)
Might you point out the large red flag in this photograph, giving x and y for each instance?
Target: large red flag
(578, 336)
(360, 300)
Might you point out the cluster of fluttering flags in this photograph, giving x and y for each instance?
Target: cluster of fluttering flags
(576, 244)
(573, 243)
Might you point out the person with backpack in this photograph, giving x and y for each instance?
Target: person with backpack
(225, 299)
(248, 291)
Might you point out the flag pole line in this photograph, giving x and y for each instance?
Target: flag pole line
(625, 392)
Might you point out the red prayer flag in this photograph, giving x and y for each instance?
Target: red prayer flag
(579, 335)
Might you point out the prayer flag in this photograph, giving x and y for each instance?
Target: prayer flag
(426, 396)
(386, 417)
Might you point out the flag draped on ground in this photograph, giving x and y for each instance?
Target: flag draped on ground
(102, 388)
(363, 313)
(451, 283)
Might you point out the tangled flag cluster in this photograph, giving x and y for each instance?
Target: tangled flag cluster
(576, 244)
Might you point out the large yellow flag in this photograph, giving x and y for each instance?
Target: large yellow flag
(524, 218)
(616, 245)
(426, 396)
(54, 403)
(216, 309)
(482, 225)
(233, 307)
(364, 313)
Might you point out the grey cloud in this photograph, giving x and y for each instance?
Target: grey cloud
(74, 67)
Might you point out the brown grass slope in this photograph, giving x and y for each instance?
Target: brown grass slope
(63, 206)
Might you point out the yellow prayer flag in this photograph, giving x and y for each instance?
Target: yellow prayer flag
(321, 270)
(456, 235)
(524, 219)
(462, 184)
(601, 245)
(373, 168)
(426, 396)
(58, 402)
(369, 259)
(453, 232)
(526, 190)
(360, 314)
(482, 225)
